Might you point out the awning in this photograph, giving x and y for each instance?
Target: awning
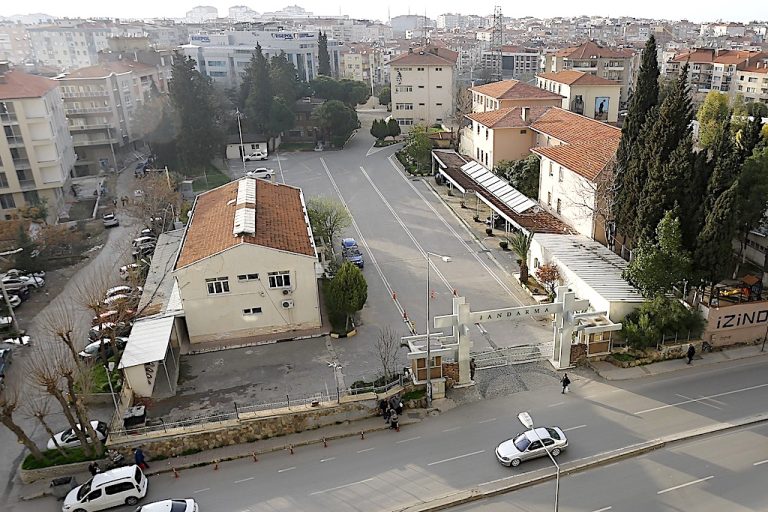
(148, 341)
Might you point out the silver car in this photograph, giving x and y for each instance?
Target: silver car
(528, 445)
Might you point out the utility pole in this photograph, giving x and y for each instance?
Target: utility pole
(497, 42)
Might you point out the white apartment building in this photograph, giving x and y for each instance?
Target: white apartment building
(36, 153)
(751, 81)
(363, 63)
(201, 14)
(14, 44)
(422, 84)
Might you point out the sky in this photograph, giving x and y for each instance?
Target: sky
(693, 10)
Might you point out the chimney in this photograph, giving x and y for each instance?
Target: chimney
(524, 113)
(5, 67)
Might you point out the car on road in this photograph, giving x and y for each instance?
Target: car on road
(256, 155)
(530, 445)
(261, 173)
(6, 355)
(109, 220)
(111, 488)
(354, 256)
(68, 438)
(348, 243)
(187, 505)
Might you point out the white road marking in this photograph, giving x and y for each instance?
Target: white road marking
(451, 429)
(573, 428)
(409, 439)
(244, 480)
(716, 395)
(341, 487)
(366, 450)
(286, 469)
(555, 404)
(201, 490)
(486, 421)
(455, 458)
(759, 463)
(604, 509)
(328, 459)
(686, 484)
(699, 400)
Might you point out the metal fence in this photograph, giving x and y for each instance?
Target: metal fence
(518, 354)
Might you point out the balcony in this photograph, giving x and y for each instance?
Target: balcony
(90, 94)
(21, 163)
(88, 110)
(27, 184)
(84, 127)
(95, 142)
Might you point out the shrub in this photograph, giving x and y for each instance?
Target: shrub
(55, 458)
(661, 316)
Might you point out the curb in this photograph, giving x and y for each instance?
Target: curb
(476, 493)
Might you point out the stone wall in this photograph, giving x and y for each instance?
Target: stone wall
(32, 475)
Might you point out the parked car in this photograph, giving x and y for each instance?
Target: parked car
(112, 316)
(187, 505)
(130, 270)
(348, 243)
(109, 220)
(6, 355)
(11, 281)
(123, 289)
(145, 249)
(17, 287)
(256, 155)
(528, 445)
(354, 255)
(147, 232)
(111, 488)
(101, 331)
(261, 173)
(16, 273)
(68, 438)
(93, 350)
(143, 239)
(14, 300)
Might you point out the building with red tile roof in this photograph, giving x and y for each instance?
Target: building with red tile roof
(711, 69)
(584, 93)
(511, 93)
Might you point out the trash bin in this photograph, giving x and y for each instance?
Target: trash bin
(61, 486)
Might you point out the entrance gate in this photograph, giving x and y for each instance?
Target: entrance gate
(518, 354)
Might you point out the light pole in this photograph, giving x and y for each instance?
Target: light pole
(527, 422)
(108, 368)
(240, 131)
(446, 259)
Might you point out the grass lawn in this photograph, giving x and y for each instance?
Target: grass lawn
(55, 458)
(211, 179)
(99, 380)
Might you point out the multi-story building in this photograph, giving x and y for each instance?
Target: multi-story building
(517, 62)
(100, 102)
(36, 153)
(201, 14)
(612, 64)
(449, 21)
(709, 69)
(14, 44)
(751, 80)
(139, 49)
(363, 63)
(403, 23)
(585, 94)
(225, 56)
(240, 13)
(422, 84)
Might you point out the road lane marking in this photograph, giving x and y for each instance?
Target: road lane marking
(555, 404)
(604, 509)
(716, 395)
(573, 428)
(759, 463)
(286, 469)
(409, 439)
(244, 480)
(686, 484)
(341, 487)
(201, 490)
(455, 458)
(486, 421)
(699, 400)
(328, 459)
(451, 429)
(366, 450)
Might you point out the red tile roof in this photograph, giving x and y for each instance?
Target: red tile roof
(588, 145)
(573, 76)
(590, 49)
(711, 55)
(107, 68)
(280, 222)
(508, 117)
(513, 90)
(432, 56)
(19, 85)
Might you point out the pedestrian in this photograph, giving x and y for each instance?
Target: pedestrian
(691, 352)
(387, 413)
(565, 381)
(382, 407)
(138, 457)
(472, 368)
(394, 421)
(114, 202)
(93, 468)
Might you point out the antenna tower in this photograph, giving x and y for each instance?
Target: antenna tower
(497, 41)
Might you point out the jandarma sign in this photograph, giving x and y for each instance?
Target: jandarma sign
(512, 313)
(743, 319)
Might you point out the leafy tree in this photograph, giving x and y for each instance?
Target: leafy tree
(655, 268)
(198, 135)
(281, 117)
(752, 194)
(284, 80)
(549, 275)
(714, 244)
(521, 174)
(764, 134)
(328, 218)
(691, 213)
(393, 127)
(355, 92)
(385, 95)
(347, 291)
(658, 318)
(418, 146)
(726, 161)
(336, 120)
(379, 129)
(351, 92)
(258, 104)
(711, 115)
(520, 243)
(323, 57)
(749, 136)
(36, 211)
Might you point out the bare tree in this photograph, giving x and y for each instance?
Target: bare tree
(39, 408)
(463, 107)
(387, 345)
(159, 202)
(9, 403)
(595, 200)
(59, 321)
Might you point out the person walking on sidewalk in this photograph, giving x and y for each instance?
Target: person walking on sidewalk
(691, 352)
(138, 457)
(93, 468)
(565, 381)
(393, 421)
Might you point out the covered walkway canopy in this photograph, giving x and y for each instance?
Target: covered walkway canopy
(148, 347)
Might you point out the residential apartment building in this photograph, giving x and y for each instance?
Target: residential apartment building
(710, 69)
(422, 83)
(517, 62)
(509, 94)
(363, 63)
(100, 102)
(14, 44)
(247, 264)
(612, 64)
(201, 14)
(36, 153)
(585, 94)
(751, 80)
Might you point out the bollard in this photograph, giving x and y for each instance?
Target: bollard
(362, 434)
(175, 473)
(255, 459)
(325, 443)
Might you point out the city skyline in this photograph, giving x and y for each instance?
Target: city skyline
(693, 11)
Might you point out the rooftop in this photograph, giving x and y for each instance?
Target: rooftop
(281, 222)
(20, 85)
(158, 288)
(107, 68)
(571, 77)
(513, 90)
(592, 50)
(507, 117)
(432, 56)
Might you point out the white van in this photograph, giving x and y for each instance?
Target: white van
(113, 488)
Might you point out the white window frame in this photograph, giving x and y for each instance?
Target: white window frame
(248, 277)
(222, 288)
(277, 280)
(256, 310)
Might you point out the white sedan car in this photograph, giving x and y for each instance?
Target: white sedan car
(68, 438)
(187, 505)
(531, 444)
(261, 173)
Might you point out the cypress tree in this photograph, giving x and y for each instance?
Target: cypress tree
(726, 167)
(323, 57)
(694, 192)
(714, 247)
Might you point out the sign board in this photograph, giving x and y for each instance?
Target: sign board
(513, 313)
(201, 39)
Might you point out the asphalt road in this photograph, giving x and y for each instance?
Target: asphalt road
(711, 474)
(454, 451)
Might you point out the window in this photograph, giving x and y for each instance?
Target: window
(549, 198)
(560, 174)
(421, 87)
(118, 488)
(439, 86)
(217, 285)
(404, 121)
(217, 74)
(551, 173)
(404, 88)
(252, 311)
(281, 279)
(421, 104)
(534, 446)
(404, 106)
(438, 104)
(558, 206)
(6, 201)
(31, 197)
(419, 69)
(248, 277)
(3, 180)
(486, 134)
(523, 132)
(438, 69)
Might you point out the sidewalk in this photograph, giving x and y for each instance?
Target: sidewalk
(610, 372)
(349, 429)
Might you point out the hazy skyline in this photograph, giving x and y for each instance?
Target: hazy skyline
(684, 9)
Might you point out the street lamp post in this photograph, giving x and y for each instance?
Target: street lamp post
(527, 422)
(240, 131)
(109, 367)
(446, 259)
